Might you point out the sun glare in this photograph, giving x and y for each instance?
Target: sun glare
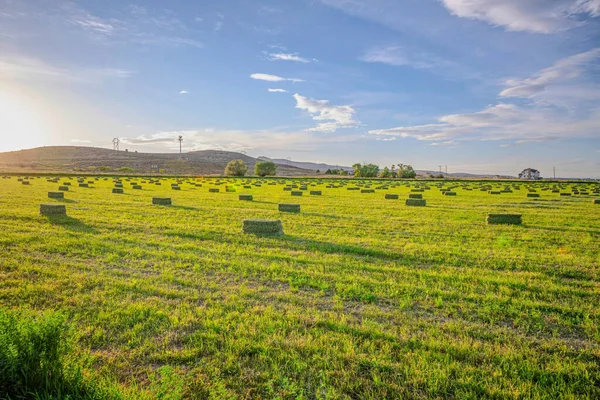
(21, 125)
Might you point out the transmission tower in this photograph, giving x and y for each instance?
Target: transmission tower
(180, 141)
(116, 143)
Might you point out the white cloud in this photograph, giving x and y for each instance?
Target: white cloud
(277, 90)
(398, 56)
(287, 57)
(335, 116)
(273, 78)
(566, 69)
(234, 140)
(184, 92)
(559, 106)
(540, 16)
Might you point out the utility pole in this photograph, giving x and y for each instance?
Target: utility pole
(446, 170)
(116, 143)
(180, 141)
(440, 168)
(554, 171)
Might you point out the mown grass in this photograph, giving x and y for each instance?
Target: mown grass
(362, 298)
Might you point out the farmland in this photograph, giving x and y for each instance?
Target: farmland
(363, 297)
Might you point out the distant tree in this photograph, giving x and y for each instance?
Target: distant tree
(406, 171)
(366, 170)
(104, 168)
(318, 171)
(328, 172)
(236, 168)
(126, 169)
(264, 168)
(343, 172)
(385, 173)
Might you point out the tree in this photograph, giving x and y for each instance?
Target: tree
(264, 168)
(406, 171)
(366, 170)
(385, 173)
(236, 168)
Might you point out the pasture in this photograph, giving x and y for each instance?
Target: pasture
(363, 297)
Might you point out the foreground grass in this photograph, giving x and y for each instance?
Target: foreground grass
(363, 298)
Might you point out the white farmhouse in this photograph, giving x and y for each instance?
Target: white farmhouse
(530, 173)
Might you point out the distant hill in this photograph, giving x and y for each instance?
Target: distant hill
(93, 159)
(305, 164)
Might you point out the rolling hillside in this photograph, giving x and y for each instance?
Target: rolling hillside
(92, 159)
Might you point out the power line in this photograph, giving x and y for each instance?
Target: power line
(116, 142)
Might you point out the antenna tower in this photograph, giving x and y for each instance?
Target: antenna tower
(116, 143)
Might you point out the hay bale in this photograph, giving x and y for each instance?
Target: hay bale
(176, 187)
(512, 219)
(416, 202)
(213, 190)
(53, 210)
(262, 227)
(315, 193)
(24, 182)
(494, 192)
(296, 193)
(596, 201)
(391, 196)
(63, 188)
(56, 195)
(415, 196)
(137, 187)
(162, 201)
(118, 190)
(533, 194)
(565, 194)
(367, 190)
(245, 197)
(289, 207)
(449, 193)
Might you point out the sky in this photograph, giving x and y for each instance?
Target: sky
(481, 86)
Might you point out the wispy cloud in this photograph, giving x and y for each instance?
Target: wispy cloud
(336, 117)
(555, 110)
(31, 68)
(273, 78)
(526, 15)
(287, 57)
(399, 56)
(184, 92)
(277, 90)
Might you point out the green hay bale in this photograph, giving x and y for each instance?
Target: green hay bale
(296, 193)
(417, 190)
(118, 190)
(262, 227)
(494, 192)
(53, 210)
(213, 190)
(176, 187)
(596, 201)
(533, 195)
(137, 187)
(303, 187)
(315, 193)
(245, 197)
(512, 219)
(247, 186)
(415, 196)
(565, 194)
(391, 196)
(84, 185)
(24, 182)
(56, 195)
(158, 183)
(162, 201)
(416, 202)
(449, 193)
(288, 207)
(367, 190)
(63, 188)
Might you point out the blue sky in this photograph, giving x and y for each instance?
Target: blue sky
(488, 86)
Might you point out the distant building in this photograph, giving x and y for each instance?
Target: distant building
(530, 173)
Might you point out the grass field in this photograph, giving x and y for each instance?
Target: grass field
(362, 298)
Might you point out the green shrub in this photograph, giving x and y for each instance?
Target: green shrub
(264, 168)
(236, 168)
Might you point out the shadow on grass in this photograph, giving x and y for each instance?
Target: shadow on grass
(186, 208)
(264, 202)
(66, 201)
(335, 248)
(71, 224)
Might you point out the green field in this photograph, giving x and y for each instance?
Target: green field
(362, 298)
